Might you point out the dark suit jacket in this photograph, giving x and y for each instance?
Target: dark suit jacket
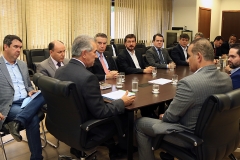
(98, 70)
(218, 51)
(236, 79)
(126, 64)
(88, 86)
(153, 58)
(178, 56)
(225, 47)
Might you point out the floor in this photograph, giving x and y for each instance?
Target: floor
(20, 151)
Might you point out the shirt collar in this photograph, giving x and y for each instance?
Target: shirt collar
(6, 62)
(80, 61)
(157, 48)
(131, 52)
(234, 70)
(54, 61)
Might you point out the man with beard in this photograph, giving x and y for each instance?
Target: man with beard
(225, 47)
(234, 65)
(131, 61)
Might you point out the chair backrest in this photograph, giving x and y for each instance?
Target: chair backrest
(120, 47)
(115, 62)
(65, 112)
(35, 56)
(218, 126)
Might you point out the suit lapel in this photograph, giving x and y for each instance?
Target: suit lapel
(156, 54)
(5, 72)
(51, 64)
(99, 64)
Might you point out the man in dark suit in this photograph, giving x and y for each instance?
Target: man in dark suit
(104, 66)
(234, 64)
(225, 47)
(15, 86)
(192, 91)
(83, 55)
(49, 66)
(158, 56)
(179, 53)
(130, 60)
(216, 45)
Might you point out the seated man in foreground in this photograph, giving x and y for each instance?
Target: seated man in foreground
(16, 86)
(182, 113)
(83, 55)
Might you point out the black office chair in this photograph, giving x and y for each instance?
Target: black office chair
(4, 132)
(35, 56)
(67, 115)
(216, 134)
(145, 60)
(115, 62)
(120, 48)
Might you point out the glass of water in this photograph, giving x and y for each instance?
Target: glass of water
(135, 85)
(123, 76)
(119, 83)
(155, 88)
(174, 79)
(154, 70)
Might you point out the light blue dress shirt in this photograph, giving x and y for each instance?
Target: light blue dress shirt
(17, 80)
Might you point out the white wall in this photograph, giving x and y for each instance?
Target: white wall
(184, 14)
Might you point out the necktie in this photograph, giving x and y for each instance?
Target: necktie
(161, 56)
(59, 64)
(103, 64)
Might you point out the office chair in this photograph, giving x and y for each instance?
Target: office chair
(120, 48)
(66, 117)
(216, 134)
(4, 132)
(115, 62)
(34, 57)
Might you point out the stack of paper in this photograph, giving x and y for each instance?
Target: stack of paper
(160, 81)
(116, 95)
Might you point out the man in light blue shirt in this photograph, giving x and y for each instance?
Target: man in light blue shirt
(15, 87)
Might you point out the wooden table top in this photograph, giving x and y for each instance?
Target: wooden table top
(144, 96)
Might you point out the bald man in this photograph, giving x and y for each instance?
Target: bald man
(49, 66)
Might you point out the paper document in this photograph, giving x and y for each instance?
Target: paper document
(160, 81)
(116, 95)
(29, 99)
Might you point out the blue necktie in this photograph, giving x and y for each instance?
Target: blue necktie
(161, 56)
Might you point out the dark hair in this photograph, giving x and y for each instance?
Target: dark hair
(203, 46)
(218, 38)
(103, 35)
(236, 46)
(184, 35)
(158, 34)
(9, 38)
(52, 44)
(129, 36)
(234, 35)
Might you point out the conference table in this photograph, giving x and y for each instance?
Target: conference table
(145, 97)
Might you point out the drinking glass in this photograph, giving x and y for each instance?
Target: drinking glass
(155, 88)
(119, 83)
(154, 70)
(135, 85)
(123, 76)
(174, 79)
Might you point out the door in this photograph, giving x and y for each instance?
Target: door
(204, 21)
(231, 24)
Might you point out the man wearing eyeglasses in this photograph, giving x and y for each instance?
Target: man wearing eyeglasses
(57, 59)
